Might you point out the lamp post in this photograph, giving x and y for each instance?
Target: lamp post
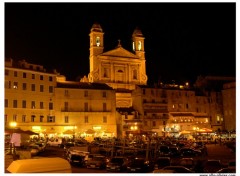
(12, 146)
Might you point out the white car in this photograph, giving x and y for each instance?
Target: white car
(55, 143)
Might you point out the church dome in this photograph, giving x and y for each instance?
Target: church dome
(137, 32)
(96, 27)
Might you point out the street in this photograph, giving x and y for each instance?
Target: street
(215, 151)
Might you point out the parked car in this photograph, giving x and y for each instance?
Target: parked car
(212, 166)
(34, 149)
(175, 169)
(55, 142)
(139, 165)
(164, 150)
(161, 162)
(187, 162)
(97, 161)
(41, 146)
(117, 164)
(227, 170)
(189, 152)
(174, 151)
(76, 155)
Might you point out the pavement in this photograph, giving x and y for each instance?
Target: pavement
(215, 151)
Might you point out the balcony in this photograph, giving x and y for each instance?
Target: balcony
(82, 110)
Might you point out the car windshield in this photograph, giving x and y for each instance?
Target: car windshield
(117, 160)
(98, 158)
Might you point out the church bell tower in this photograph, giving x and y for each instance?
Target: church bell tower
(96, 44)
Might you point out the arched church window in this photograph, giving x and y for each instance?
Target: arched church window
(120, 71)
(105, 73)
(134, 74)
(98, 41)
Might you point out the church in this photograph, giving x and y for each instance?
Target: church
(120, 69)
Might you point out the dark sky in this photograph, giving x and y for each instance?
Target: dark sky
(182, 40)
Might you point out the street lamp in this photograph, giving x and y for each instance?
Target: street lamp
(13, 124)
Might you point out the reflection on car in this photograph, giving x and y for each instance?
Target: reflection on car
(161, 162)
(97, 161)
(175, 169)
(227, 170)
(139, 165)
(117, 163)
(212, 166)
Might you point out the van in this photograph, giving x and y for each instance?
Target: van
(40, 165)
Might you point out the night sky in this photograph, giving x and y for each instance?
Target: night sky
(182, 40)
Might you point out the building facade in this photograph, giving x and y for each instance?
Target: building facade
(114, 100)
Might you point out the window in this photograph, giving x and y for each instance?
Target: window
(66, 119)
(51, 119)
(6, 72)
(104, 119)
(33, 87)
(14, 103)
(104, 107)
(24, 75)
(105, 72)
(154, 123)
(86, 119)
(144, 91)
(23, 118)
(41, 88)
(66, 93)
(104, 94)
(145, 123)
(50, 106)
(186, 106)
(24, 86)
(85, 93)
(66, 106)
(6, 103)
(50, 78)
(50, 89)
(86, 107)
(41, 118)
(14, 117)
(33, 76)
(41, 77)
(33, 104)
(6, 117)
(15, 74)
(7, 84)
(41, 105)
(98, 41)
(152, 92)
(139, 45)
(24, 104)
(33, 118)
(134, 74)
(144, 101)
(15, 85)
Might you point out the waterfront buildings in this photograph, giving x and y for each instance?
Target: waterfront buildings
(114, 100)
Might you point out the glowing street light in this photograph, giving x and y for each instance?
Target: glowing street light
(13, 124)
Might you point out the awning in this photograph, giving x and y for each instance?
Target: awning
(204, 130)
(90, 131)
(185, 132)
(181, 114)
(18, 130)
(68, 132)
